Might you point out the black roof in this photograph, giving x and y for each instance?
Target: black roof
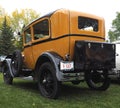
(46, 15)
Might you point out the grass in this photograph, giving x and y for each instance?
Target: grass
(25, 94)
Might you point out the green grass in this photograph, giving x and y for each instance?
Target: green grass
(25, 94)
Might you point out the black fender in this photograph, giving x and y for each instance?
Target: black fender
(8, 61)
(52, 58)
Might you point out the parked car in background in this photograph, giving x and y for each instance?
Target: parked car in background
(118, 57)
(116, 70)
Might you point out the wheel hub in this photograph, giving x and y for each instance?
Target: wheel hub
(44, 81)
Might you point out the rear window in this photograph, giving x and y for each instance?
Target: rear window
(87, 24)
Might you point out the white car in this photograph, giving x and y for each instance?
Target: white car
(117, 69)
(118, 56)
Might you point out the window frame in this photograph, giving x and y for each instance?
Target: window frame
(24, 40)
(32, 27)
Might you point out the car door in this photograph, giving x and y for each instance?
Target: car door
(41, 36)
(28, 54)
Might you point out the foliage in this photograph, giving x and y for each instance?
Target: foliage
(6, 39)
(18, 20)
(114, 32)
(2, 14)
(21, 18)
(25, 94)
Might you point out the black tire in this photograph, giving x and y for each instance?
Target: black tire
(97, 80)
(16, 63)
(48, 84)
(8, 79)
(75, 82)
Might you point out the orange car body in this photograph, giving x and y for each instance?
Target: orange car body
(63, 30)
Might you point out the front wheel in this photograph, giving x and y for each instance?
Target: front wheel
(97, 79)
(48, 84)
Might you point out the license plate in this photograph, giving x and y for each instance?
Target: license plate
(67, 66)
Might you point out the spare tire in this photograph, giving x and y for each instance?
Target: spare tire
(16, 63)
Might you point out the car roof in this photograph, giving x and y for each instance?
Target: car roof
(62, 10)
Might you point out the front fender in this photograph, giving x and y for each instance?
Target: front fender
(8, 61)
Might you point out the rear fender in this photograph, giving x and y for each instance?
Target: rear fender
(52, 58)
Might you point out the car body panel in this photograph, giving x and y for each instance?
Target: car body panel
(63, 32)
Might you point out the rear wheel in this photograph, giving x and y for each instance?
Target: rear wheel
(48, 84)
(8, 79)
(97, 80)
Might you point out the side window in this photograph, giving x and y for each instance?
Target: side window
(27, 35)
(41, 29)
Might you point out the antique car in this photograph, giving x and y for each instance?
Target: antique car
(62, 46)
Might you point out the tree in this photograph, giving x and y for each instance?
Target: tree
(6, 39)
(18, 20)
(2, 14)
(114, 32)
(21, 18)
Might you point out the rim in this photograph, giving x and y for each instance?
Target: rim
(47, 84)
(97, 78)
